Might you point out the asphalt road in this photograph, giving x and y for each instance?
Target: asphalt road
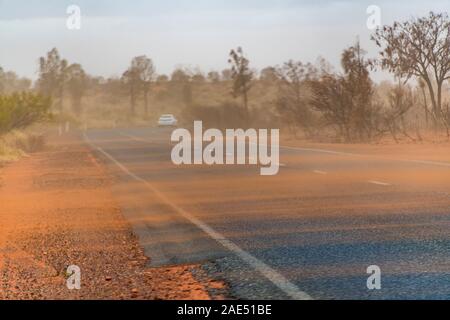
(311, 231)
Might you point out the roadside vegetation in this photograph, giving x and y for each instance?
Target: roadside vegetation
(314, 101)
(18, 112)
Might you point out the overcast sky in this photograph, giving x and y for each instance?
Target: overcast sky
(192, 33)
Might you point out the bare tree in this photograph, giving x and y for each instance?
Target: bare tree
(419, 48)
(242, 77)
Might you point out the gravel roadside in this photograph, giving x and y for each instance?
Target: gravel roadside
(56, 210)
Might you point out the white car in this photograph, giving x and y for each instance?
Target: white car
(167, 120)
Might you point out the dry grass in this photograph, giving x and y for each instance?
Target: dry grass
(19, 143)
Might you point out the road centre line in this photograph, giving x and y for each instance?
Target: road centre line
(425, 162)
(375, 182)
(379, 183)
(148, 141)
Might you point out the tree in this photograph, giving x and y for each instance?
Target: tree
(419, 48)
(162, 79)
(146, 73)
(139, 77)
(179, 76)
(2, 80)
(20, 110)
(132, 80)
(359, 87)
(52, 76)
(292, 101)
(198, 78)
(242, 77)
(226, 75)
(331, 100)
(346, 101)
(269, 74)
(400, 101)
(181, 80)
(213, 76)
(10, 82)
(77, 86)
(423, 93)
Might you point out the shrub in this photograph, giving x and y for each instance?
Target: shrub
(20, 110)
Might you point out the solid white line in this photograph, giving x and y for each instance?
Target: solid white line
(269, 273)
(320, 172)
(379, 183)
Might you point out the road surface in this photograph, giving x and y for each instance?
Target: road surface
(309, 232)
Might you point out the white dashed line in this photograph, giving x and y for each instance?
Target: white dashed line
(434, 163)
(320, 151)
(132, 137)
(425, 162)
(320, 172)
(379, 183)
(228, 154)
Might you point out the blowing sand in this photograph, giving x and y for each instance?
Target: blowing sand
(56, 210)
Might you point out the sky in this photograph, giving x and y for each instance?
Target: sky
(194, 33)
